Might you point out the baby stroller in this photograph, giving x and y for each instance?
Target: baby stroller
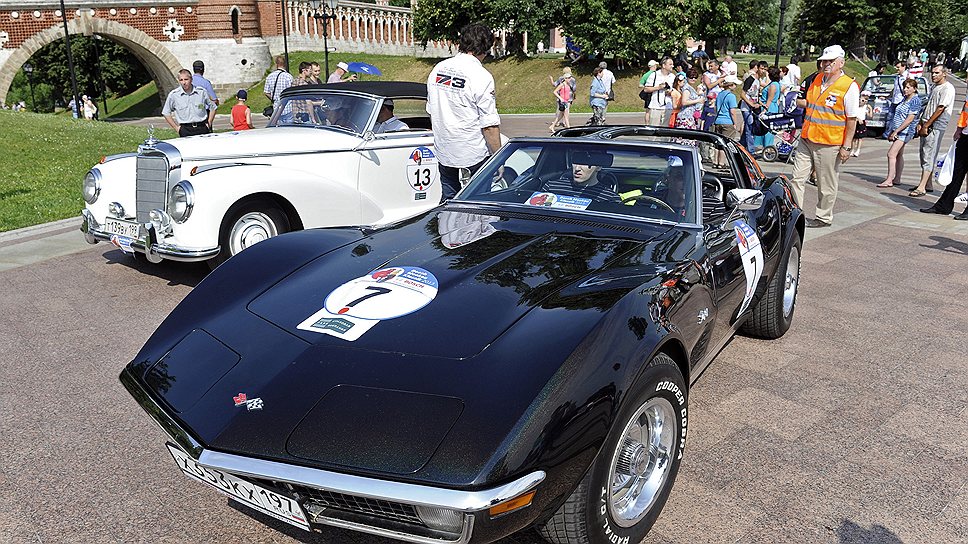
(785, 127)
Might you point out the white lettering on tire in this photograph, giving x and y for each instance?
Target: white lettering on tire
(610, 535)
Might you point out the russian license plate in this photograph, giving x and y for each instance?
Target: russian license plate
(247, 493)
(120, 227)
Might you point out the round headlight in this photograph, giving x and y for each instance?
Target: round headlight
(180, 201)
(91, 188)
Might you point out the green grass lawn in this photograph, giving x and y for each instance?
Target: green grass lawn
(45, 158)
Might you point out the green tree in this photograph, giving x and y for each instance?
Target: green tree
(737, 21)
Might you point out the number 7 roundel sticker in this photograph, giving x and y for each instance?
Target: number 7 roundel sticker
(356, 306)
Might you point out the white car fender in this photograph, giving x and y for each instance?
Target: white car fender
(219, 189)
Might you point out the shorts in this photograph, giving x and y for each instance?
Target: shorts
(930, 146)
(728, 131)
(860, 131)
(562, 106)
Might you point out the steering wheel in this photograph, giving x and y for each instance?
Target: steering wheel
(650, 199)
(712, 187)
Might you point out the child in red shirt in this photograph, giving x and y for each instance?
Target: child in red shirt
(241, 114)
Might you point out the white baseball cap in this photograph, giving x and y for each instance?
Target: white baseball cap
(832, 52)
(343, 65)
(731, 78)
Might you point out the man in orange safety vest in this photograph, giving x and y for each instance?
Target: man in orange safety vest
(831, 103)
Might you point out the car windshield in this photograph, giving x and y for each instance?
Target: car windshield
(884, 85)
(335, 110)
(656, 182)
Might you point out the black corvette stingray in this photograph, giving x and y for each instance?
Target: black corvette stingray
(518, 357)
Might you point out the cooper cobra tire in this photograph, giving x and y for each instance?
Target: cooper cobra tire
(773, 314)
(770, 153)
(247, 224)
(620, 497)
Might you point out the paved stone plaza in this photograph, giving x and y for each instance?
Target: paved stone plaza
(849, 429)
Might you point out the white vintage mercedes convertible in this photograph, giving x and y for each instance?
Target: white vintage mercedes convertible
(322, 161)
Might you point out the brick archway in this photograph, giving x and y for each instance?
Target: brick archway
(159, 61)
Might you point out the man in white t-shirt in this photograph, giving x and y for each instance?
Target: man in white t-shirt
(660, 85)
(462, 108)
(728, 66)
(608, 79)
(932, 125)
(794, 70)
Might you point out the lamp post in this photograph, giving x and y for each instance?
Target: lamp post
(29, 70)
(320, 12)
(70, 58)
(285, 32)
(100, 74)
(779, 33)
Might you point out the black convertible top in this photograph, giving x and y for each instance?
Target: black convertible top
(386, 89)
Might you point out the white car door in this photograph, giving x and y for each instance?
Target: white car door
(398, 176)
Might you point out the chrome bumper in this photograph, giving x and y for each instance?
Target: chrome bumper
(148, 245)
(468, 502)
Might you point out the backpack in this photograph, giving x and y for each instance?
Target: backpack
(646, 96)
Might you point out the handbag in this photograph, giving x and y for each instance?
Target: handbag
(945, 169)
(268, 110)
(611, 95)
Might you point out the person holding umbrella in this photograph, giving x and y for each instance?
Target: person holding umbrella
(337, 76)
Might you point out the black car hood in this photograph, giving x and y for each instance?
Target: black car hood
(385, 402)
(489, 273)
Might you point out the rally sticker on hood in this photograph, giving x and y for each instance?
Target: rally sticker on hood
(356, 306)
(751, 252)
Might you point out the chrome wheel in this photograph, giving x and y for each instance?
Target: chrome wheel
(250, 229)
(791, 281)
(642, 461)
(770, 153)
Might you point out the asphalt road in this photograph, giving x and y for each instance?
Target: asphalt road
(851, 428)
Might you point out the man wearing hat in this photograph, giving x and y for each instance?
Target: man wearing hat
(832, 102)
(337, 75)
(198, 80)
(386, 121)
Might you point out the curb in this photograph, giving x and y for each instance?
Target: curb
(40, 230)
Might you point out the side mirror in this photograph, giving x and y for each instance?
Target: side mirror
(368, 136)
(744, 199)
(741, 200)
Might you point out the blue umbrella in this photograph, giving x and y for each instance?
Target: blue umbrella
(364, 68)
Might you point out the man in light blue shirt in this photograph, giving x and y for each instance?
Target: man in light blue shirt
(597, 98)
(198, 80)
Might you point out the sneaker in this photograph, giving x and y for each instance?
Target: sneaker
(963, 197)
(855, 153)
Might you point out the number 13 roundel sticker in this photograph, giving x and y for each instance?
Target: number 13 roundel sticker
(421, 169)
(356, 306)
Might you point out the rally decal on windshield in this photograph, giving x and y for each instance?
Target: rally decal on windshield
(751, 252)
(356, 306)
(558, 201)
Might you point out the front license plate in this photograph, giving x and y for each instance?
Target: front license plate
(249, 494)
(120, 227)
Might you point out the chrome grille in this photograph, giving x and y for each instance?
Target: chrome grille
(151, 186)
(372, 507)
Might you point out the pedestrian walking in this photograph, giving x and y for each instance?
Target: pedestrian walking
(660, 85)
(276, 82)
(199, 80)
(729, 120)
(73, 106)
(241, 114)
(830, 119)
(189, 109)
(692, 100)
(864, 112)
(462, 108)
(564, 93)
(933, 123)
(608, 79)
(946, 203)
(900, 131)
(337, 76)
(597, 98)
(771, 97)
(90, 110)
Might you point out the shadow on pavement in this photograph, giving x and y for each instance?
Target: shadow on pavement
(947, 245)
(850, 532)
(175, 273)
